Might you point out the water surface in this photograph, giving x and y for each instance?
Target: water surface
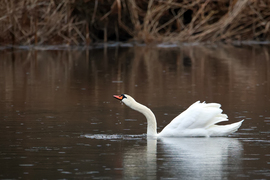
(58, 119)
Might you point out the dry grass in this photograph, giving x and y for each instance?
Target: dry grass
(201, 20)
(87, 21)
(39, 22)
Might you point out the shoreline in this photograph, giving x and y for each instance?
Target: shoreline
(125, 44)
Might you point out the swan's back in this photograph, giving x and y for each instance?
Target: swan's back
(199, 120)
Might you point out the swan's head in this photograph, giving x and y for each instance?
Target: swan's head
(127, 99)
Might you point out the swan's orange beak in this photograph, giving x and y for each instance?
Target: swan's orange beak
(119, 97)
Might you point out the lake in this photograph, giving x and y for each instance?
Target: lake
(59, 120)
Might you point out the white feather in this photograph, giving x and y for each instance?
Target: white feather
(199, 119)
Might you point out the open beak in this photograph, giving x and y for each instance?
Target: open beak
(119, 97)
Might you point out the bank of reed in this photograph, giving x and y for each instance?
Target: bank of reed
(83, 22)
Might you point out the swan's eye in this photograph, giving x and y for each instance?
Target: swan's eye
(123, 96)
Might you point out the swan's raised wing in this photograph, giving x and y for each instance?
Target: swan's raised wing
(199, 116)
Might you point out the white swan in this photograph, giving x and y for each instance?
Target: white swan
(198, 120)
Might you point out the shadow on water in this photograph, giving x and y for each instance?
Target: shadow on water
(51, 100)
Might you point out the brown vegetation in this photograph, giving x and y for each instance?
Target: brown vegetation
(87, 21)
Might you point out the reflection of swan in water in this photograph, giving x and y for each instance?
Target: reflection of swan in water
(183, 158)
(199, 119)
(194, 158)
(140, 162)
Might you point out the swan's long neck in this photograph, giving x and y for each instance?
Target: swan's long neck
(151, 119)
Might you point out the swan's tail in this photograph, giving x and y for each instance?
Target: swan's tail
(224, 130)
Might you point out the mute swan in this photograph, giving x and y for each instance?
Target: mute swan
(198, 120)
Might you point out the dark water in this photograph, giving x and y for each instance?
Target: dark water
(58, 119)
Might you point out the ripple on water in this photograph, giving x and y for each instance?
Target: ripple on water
(26, 165)
(114, 136)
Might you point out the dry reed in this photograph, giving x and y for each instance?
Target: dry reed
(86, 21)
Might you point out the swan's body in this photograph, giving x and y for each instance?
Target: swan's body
(198, 120)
